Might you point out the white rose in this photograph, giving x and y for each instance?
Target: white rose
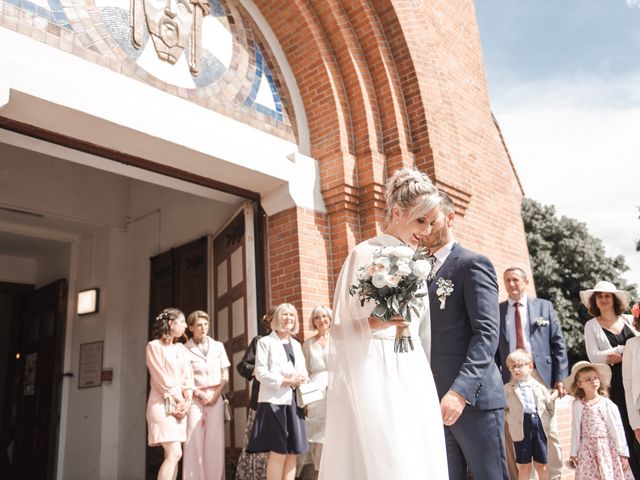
(386, 251)
(402, 251)
(393, 280)
(379, 279)
(403, 268)
(422, 269)
(383, 262)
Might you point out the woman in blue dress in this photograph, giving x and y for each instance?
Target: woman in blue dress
(279, 426)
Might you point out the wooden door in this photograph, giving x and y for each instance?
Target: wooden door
(234, 289)
(40, 381)
(12, 299)
(191, 276)
(179, 278)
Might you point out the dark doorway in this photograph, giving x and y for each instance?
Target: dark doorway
(12, 298)
(32, 385)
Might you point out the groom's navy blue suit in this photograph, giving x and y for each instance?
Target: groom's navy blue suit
(464, 339)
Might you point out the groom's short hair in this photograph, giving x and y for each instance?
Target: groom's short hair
(446, 204)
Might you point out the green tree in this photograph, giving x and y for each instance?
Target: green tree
(565, 259)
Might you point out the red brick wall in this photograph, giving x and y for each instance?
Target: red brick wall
(299, 261)
(388, 84)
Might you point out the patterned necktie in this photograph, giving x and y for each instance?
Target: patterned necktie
(432, 260)
(519, 329)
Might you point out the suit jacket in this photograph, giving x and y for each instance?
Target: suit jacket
(514, 414)
(272, 364)
(207, 369)
(464, 334)
(547, 343)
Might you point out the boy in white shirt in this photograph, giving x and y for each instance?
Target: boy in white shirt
(530, 408)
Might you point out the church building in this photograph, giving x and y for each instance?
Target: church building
(222, 155)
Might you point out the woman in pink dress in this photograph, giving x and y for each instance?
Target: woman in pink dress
(204, 450)
(171, 390)
(598, 444)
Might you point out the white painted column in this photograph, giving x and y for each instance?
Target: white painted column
(114, 314)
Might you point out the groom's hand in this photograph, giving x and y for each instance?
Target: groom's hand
(451, 406)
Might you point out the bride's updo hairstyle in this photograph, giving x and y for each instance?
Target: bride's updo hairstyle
(412, 191)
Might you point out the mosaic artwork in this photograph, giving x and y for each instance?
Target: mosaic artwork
(209, 52)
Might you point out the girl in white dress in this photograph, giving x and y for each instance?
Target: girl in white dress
(383, 413)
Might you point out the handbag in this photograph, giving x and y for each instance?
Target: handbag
(170, 406)
(308, 393)
(228, 413)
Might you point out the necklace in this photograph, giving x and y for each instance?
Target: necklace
(203, 345)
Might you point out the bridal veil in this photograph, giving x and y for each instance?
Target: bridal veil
(383, 413)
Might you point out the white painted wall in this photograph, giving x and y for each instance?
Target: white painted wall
(67, 191)
(52, 266)
(84, 407)
(18, 269)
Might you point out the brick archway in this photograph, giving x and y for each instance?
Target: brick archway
(360, 128)
(387, 84)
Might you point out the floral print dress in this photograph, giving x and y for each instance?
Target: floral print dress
(598, 458)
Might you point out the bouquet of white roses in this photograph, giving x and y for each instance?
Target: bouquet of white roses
(395, 280)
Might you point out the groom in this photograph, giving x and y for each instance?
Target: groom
(465, 326)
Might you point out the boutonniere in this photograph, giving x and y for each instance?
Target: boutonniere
(541, 322)
(445, 288)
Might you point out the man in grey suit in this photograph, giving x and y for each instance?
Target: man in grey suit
(532, 324)
(464, 337)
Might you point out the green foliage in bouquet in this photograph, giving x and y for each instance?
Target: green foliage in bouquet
(394, 281)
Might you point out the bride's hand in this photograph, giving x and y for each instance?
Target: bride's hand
(376, 323)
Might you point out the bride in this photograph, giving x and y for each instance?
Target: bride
(383, 413)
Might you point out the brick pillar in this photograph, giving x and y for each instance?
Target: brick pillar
(299, 252)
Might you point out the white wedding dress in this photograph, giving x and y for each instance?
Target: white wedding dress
(383, 412)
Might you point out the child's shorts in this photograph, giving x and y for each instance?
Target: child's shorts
(534, 443)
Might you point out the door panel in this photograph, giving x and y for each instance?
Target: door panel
(160, 286)
(40, 377)
(230, 323)
(190, 276)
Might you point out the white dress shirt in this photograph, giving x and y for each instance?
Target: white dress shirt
(526, 390)
(510, 320)
(442, 254)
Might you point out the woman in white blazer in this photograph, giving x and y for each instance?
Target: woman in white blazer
(279, 427)
(605, 339)
(631, 375)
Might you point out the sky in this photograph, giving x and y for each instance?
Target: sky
(564, 82)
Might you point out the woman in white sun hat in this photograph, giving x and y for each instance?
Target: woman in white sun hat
(605, 337)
